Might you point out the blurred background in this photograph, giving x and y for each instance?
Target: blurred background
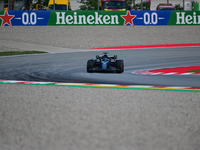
(93, 4)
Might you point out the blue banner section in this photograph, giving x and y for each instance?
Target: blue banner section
(151, 17)
(25, 18)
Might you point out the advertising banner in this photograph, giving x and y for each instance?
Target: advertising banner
(98, 18)
(85, 18)
(24, 18)
(184, 18)
(122, 18)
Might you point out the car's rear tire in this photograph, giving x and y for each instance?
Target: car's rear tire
(90, 65)
(119, 66)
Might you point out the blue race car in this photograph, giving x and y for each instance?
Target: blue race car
(105, 63)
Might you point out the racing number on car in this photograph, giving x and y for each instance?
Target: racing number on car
(29, 19)
(150, 18)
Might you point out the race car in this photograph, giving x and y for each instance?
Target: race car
(105, 63)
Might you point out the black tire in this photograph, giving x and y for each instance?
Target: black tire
(90, 65)
(119, 66)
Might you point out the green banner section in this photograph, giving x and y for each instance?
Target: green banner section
(86, 18)
(184, 18)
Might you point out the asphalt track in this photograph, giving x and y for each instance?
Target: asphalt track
(71, 67)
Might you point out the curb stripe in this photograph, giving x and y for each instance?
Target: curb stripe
(170, 71)
(162, 73)
(152, 46)
(86, 85)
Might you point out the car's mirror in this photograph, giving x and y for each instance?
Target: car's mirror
(115, 56)
(97, 56)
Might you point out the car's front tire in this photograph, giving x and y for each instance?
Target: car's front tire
(119, 66)
(90, 66)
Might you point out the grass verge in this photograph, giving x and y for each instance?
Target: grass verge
(9, 53)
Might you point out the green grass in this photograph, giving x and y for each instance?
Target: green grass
(9, 53)
(197, 70)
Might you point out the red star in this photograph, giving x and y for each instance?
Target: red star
(6, 18)
(128, 18)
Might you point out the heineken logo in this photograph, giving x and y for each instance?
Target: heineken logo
(6, 19)
(182, 18)
(128, 18)
(92, 19)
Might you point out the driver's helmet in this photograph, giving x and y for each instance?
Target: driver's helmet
(105, 58)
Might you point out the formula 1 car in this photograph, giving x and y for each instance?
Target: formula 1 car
(105, 63)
